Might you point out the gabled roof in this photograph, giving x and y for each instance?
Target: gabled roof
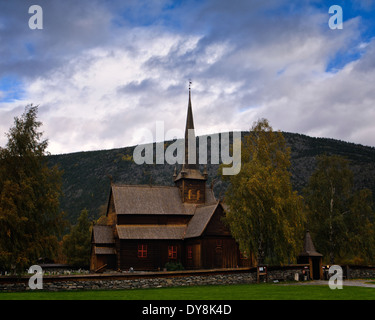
(202, 215)
(103, 234)
(194, 228)
(200, 220)
(194, 174)
(135, 199)
(158, 200)
(160, 232)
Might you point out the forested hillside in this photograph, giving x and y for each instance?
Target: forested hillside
(86, 177)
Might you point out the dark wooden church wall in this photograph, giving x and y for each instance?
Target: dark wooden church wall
(157, 254)
(219, 253)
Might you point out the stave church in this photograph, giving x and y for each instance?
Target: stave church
(149, 226)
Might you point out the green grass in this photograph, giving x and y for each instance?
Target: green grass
(219, 292)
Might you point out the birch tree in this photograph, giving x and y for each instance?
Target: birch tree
(341, 218)
(264, 214)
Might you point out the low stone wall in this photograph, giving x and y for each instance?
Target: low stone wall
(152, 280)
(359, 272)
(285, 273)
(116, 284)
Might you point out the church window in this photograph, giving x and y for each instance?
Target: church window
(190, 194)
(142, 251)
(190, 252)
(172, 252)
(198, 194)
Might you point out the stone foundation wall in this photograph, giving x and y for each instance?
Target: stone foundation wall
(137, 281)
(359, 272)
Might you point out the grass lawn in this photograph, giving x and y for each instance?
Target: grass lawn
(219, 292)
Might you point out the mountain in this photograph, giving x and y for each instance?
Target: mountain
(87, 175)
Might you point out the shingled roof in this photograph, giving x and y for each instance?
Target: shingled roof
(103, 234)
(309, 248)
(190, 174)
(200, 220)
(144, 199)
(135, 199)
(194, 228)
(161, 232)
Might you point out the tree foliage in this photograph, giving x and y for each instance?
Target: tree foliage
(30, 219)
(341, 218)
(265, 215)
(77, 244)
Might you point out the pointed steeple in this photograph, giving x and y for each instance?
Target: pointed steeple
(310, 256)
(189, 126)
(189, 117)
(191, 182)
(308, 247)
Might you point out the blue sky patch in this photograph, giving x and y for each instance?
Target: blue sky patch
(11, 88)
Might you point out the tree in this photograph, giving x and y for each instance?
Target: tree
(30, 219)
(265, 215)
(340, 218)
(360, 247)
(77, 244)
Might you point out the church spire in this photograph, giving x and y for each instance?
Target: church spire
(189, 126)
(189, 118)
(190, 181)
(189, 171)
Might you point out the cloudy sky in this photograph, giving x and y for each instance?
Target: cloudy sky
(101, 71)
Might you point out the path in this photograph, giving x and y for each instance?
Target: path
(355, 283)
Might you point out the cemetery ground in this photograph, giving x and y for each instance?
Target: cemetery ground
(363, 290)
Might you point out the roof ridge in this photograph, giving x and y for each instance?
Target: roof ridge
(151, 225)
(142, 186)
(208, 204)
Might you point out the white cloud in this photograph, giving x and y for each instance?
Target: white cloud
(81, 105)
(339, 106)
